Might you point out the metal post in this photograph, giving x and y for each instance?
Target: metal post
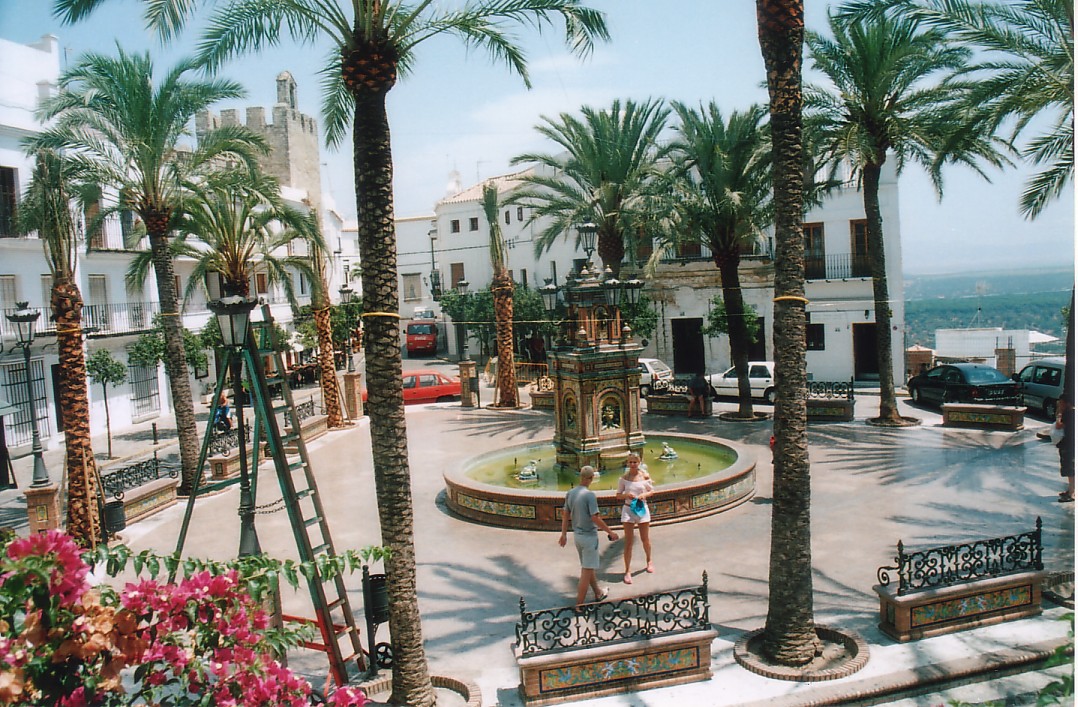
(41, 474)
(351, 356)
(248, 536)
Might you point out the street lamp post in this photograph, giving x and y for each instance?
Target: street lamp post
(587, 232)
(233, 315)
(462, 342)
(346, 293)
(25, 319)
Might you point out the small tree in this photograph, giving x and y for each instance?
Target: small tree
(717, 320)
(106, 370)
(150, 349)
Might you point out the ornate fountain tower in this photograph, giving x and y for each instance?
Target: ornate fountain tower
(596, 372)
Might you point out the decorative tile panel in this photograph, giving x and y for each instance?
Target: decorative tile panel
(496, 508)
(603, 672)
(724, 494)
(951, 609)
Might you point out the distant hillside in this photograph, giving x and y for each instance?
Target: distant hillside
(1010, 300)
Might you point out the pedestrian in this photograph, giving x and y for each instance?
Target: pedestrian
(222, 421)
(634, 487)
(698, 388)
(1063, 430)
(582, 511)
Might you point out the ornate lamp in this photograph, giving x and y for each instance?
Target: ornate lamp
(549, 293)
(587, 232)
(462, 343)
(234, 315)
(346, 293)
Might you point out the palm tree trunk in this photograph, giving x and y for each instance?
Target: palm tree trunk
(331, 392)
(385, 403)
(175, 358)
(611, 249)
(878, 258)
(331, 396)
(502, 289)
(736, 328)
(790, 632)
(83, 517)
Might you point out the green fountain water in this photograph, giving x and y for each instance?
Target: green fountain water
(694, 460)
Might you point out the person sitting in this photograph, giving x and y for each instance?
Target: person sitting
(699, 389)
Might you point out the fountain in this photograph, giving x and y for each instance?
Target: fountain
(597, 422)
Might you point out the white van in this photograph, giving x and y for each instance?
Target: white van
(1041, 384)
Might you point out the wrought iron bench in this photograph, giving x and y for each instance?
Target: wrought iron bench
(954, 587)
(673, 398)
(144, 487)
(830, 401)
(612, 647)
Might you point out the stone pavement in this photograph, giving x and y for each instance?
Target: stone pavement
(871, 487)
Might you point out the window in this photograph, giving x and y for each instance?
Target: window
(860, 264)
(261, 283)
(9, 196)
(8, 293)
(473, 223)
(508, 220)
(428, 380)
(688, 249)
(412, 286)
(46, 290)
(409, 382)
(13, 380)
(95, 234)
(304, 286)
(644, 249)
(523, 277)
(97, 315)
(454, 226)
(456, 274)
(815, 264)
(179, 292)
(145, 396)
(520, 213)
(814, 337)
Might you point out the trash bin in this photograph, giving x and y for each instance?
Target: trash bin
(376, 599)
(115, 517)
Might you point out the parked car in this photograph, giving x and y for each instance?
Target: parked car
(427, 387)
(652, 370)
(761, 381)
(1041, 384)
(962, 383)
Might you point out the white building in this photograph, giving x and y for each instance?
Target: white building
(988, 344)
(841, 337)
(114, 315)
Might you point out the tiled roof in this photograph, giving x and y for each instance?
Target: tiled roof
(505, 183)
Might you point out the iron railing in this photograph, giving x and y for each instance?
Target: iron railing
(659, 614)
(305, 410)
(831, 389)
(222, 443)
(954, 564)
(116, 482)
(837, 267)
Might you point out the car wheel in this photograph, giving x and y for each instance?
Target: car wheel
(1050, 408)
(769, 396)
(915, 395)
(645, 391)
(445, 399)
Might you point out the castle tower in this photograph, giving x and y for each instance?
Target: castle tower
(292, 136)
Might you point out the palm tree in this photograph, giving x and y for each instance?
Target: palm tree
(888, 100)
(722, 192)
(321, 314)
(234, 224)
(501, 287)
(607, 174)
(790, 632)
(47, 210)
(373, 42)
(126, 133)
(1028, 73)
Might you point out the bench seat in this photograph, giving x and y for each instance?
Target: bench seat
(610, 669)
(982, 602)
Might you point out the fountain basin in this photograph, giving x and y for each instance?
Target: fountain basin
(531, 508)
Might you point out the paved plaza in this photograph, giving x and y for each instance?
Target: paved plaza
(870, 488)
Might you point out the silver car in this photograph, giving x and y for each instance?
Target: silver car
(1041, 384)
(653, 370)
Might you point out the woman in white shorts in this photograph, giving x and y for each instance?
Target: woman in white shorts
(634, 487)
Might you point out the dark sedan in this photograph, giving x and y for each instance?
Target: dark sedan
(963, 383)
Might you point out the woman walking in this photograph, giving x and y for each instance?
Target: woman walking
(634, 487)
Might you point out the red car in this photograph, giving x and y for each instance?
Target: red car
(427, 387)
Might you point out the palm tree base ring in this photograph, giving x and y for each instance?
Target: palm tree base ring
(382, 686)
(844, 653)
(735, 417)
(900, 422)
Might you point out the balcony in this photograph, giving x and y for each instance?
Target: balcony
(837, 267)
(98, 320)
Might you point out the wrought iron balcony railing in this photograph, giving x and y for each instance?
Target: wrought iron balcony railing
(97, 319)
(837, 267)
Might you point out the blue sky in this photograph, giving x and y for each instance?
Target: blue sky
(458, 111)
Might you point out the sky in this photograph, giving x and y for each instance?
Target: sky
(458, 111)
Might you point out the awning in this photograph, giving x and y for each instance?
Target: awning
(7, 408)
